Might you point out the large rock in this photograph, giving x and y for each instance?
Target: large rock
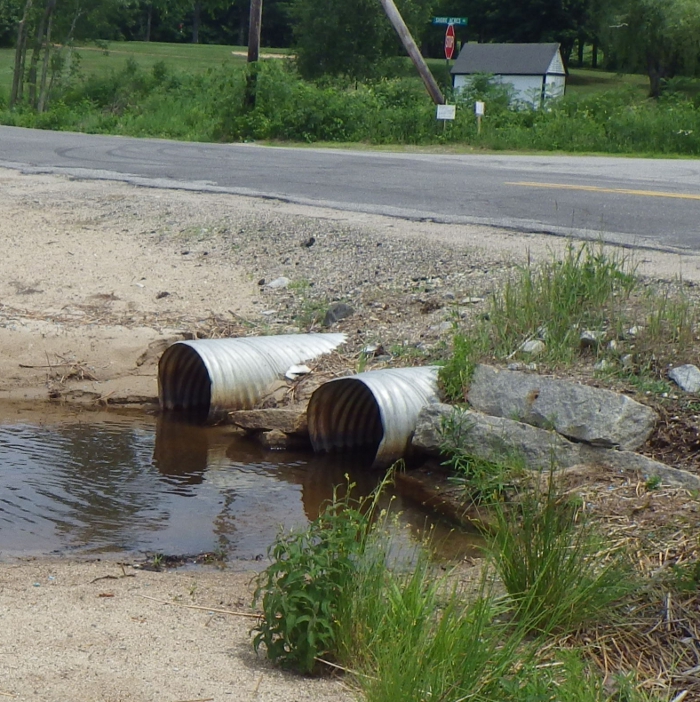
(495, 438)
(492, 438)
(624, 461)
(578, 412)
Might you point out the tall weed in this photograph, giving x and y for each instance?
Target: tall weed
(552, 563)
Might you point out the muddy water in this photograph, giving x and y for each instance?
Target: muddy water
(108, 483)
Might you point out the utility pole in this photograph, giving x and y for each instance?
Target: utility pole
(413, 51)
(254, 27)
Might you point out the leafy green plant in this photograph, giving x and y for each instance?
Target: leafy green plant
(302, 590)
(552, 563)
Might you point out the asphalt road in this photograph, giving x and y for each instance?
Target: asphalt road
(640, 202)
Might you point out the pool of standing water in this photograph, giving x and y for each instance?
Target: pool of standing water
(107, 483)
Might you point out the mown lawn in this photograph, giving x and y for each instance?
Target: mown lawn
(186, 58)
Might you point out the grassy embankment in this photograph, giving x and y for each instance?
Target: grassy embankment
(587, 592)
(192, 92)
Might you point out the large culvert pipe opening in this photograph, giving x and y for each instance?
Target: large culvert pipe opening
(344, 415)
(183, 381)
(376, 410)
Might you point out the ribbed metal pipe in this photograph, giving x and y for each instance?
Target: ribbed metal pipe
(374, 409)
(211, 376)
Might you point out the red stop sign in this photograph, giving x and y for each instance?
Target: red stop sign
(449, 41)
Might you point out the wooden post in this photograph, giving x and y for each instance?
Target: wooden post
(413, 51)
(254, 27)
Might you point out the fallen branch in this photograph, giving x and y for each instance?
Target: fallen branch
(205, 609)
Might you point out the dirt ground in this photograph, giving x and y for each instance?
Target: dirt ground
(96, 279)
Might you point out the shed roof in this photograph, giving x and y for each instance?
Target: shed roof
(510, 59)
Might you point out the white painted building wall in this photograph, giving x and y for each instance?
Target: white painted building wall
(525, 88)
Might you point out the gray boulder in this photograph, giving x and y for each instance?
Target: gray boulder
(578, 412)
(492, 438)
(495, 438)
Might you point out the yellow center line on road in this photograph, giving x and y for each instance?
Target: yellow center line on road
(619, 191)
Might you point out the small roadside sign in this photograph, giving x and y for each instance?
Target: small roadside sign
(479, 108)
(460, 21)
(446, 111)
(449, 41)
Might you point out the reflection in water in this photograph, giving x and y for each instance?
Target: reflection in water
(160, 486)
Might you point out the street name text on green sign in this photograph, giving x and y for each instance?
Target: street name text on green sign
(451, 20)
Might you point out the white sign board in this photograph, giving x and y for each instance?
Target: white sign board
(446, 111)
(479, 108)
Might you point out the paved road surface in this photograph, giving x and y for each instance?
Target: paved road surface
(643, 202)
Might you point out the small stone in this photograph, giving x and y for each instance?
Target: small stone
(308, 243)
(448, 295)
(632, 332)
(261, 282)
(602, 365)
(613, 345)
(336, 312)
(591, 339)
(268, 313)
(687, 377)
(161, 295)
(278, 283)
(533, 347)
(627, 360)
(515, 366)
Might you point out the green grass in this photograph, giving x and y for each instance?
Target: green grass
(585, 81)
(641, 330)
(181, 58)
(553, 564)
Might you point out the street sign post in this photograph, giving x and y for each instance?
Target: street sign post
(449, 41)
(460, 21)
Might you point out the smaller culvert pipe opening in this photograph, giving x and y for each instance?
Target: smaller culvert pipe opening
(343, 415)
(184, 384)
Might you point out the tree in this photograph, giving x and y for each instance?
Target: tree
(349, 37)
(45, 23)
(563, 21)
(660, 37)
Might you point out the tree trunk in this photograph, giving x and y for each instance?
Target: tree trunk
(36, 51)
(149, 20)
(581, 47)
(656, 71)
(196, 16)
(43, 88)
(20, 53)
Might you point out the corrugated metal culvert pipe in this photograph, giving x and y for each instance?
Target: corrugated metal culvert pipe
(211, 376)
(376, 410)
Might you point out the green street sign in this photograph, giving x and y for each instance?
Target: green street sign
(451, 20)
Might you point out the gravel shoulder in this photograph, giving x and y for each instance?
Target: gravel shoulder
(96, 278)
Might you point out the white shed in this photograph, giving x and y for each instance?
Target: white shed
(536, 71)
